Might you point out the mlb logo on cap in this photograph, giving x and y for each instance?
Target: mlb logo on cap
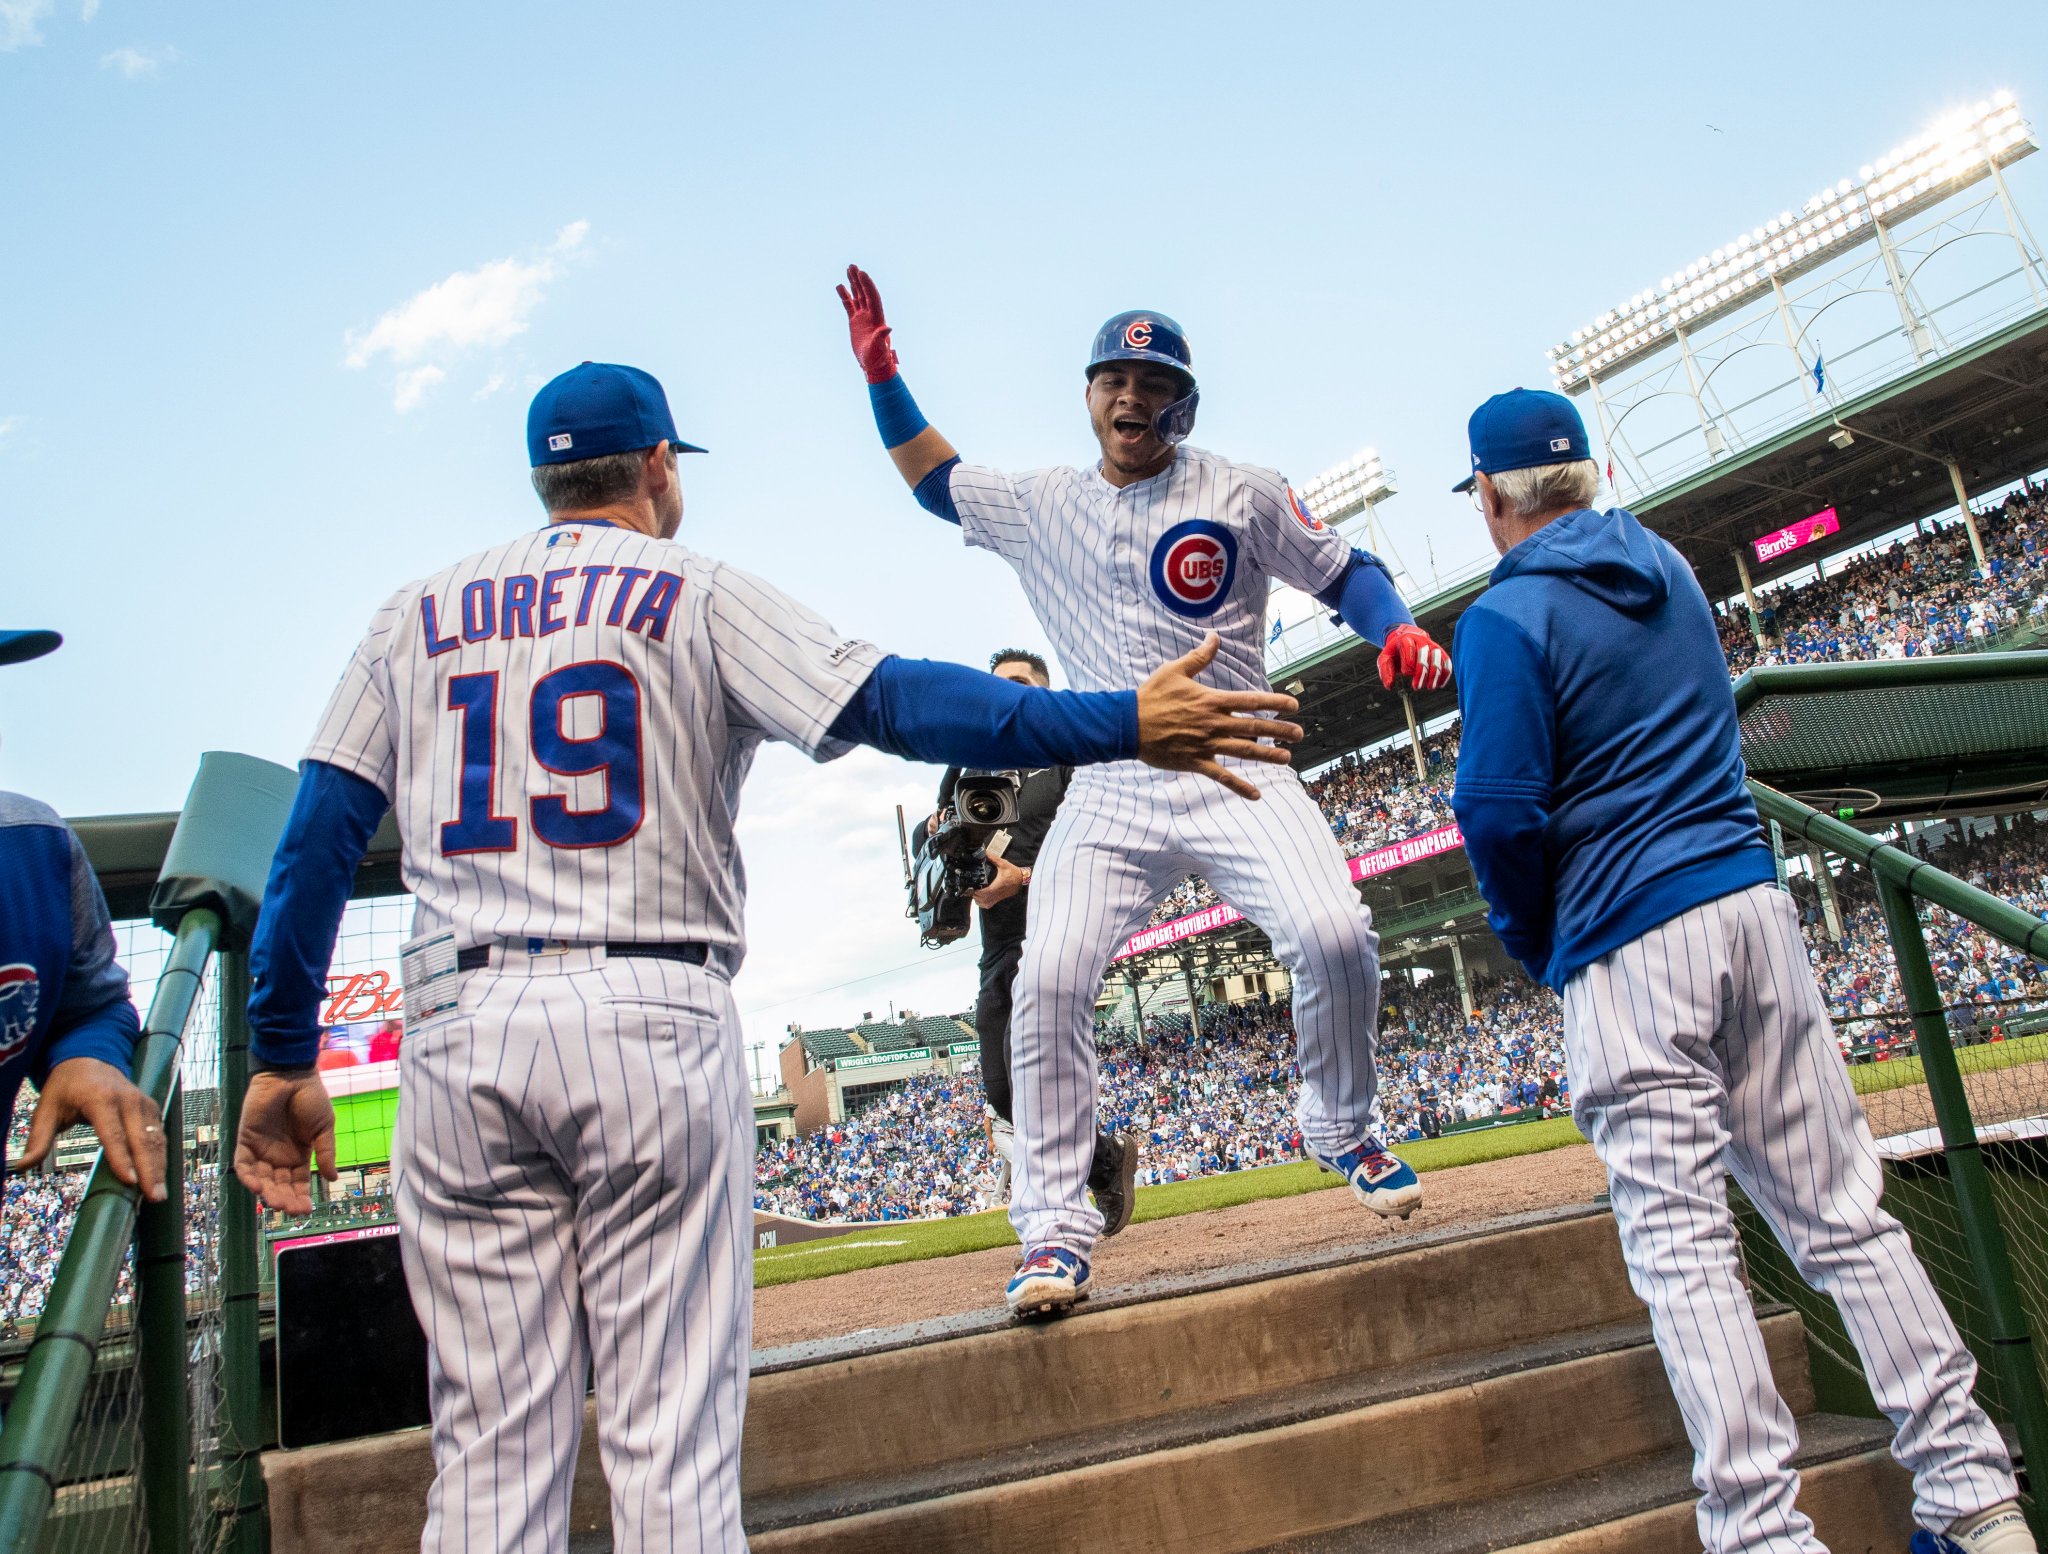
(599, 408)
(1522, 429)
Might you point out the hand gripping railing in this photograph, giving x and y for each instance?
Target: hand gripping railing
(40, 1422)
(1900, 878)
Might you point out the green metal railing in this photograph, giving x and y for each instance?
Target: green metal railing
(39, 1426)
(1901, 881)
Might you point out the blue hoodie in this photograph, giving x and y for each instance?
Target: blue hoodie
(1600, 779)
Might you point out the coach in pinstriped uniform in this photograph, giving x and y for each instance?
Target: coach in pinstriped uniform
(1601, 791)
(562, 723)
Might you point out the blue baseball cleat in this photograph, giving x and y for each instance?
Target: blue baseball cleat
(2000, 1530)
(1047, 1283)
(1382, 1182)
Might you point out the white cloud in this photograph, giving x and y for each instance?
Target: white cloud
(467, 311)
(412, 386)
(9, 425)
(485, 306)
(21, 23)
(89, 10)
(139, 64)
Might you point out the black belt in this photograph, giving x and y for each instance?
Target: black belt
(478, 957)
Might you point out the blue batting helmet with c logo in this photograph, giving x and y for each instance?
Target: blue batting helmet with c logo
(1143, 336)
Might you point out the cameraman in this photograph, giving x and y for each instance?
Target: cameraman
(1113, 1176)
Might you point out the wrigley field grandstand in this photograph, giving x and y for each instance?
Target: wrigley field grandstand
(1840, 419)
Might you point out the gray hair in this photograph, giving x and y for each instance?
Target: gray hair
(587, 483)
(1548, 488)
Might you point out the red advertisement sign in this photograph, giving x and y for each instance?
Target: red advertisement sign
(1444, 839)
(1782, 541)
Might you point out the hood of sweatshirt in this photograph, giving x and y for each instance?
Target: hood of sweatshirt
(1606, 554)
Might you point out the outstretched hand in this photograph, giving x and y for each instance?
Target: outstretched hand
(286, 1119)
(130, 1128)
(869, 329)
(1183, 725)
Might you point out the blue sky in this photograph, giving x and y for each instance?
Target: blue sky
(278, 281)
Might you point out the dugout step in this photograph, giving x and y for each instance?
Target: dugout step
(1262, 1412)
(1858, 1497)
(1467, 1441)
(882, 1412)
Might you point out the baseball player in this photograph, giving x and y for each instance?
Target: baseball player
(1135, 557)
(562, 723)
(66, 1021)
(1610, 830)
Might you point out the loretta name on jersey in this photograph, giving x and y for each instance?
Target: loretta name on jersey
(522, 605)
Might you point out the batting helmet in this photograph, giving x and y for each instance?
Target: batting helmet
(1152, 337)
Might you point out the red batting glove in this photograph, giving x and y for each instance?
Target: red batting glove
(869, 329)
(1411, 654)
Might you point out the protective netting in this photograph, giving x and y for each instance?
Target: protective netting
(361, 1026)
(97, 1506)
(1996, 1003)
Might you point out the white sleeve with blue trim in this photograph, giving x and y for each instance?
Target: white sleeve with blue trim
(1287, 541)
(356, 730)
(995, 509)
(784, 671)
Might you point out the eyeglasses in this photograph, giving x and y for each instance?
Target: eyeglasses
(1478, 501)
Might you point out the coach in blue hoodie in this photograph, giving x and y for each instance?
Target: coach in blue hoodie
(1601, 792)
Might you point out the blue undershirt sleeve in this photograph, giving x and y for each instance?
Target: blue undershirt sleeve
(334, 814)
(95, 1018)
(897, 417)
(1366, 599)
(934, 493)
(947, 713)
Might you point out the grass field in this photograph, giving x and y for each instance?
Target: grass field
(909, 1243)
(1871, 1078)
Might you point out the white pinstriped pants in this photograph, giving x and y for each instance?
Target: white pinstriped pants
(573, 1161)
(1123, 834)
(1704, 1044)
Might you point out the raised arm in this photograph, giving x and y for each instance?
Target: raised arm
(918, 448)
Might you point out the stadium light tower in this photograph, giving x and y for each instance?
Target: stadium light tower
(1349, 489)
(1922, 173)
(1652, 367)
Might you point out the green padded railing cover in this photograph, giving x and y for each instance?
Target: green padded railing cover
(220, 853)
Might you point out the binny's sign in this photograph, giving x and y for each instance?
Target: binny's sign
(1783, 541)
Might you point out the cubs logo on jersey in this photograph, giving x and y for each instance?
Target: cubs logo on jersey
(18, 998)
(1302, 515)
(1192, 567)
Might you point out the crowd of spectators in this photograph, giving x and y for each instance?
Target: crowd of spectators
(1377, 799)
(918, 1151)
(1917, 597)
(1984, 984)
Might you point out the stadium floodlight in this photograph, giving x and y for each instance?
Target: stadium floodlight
(1350, 488)
(1930, 168)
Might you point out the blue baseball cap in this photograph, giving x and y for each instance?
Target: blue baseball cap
(599, 408)
(1522, 429)
(18, 647)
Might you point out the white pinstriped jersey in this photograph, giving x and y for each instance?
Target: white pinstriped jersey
(1124, 579)
(562, 723)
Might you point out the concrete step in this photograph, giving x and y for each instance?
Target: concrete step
(1860, 1500)
(837, 1422)
(1236, 1493)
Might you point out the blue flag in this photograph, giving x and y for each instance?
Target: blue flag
(1274, 635)
(1820, 372)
